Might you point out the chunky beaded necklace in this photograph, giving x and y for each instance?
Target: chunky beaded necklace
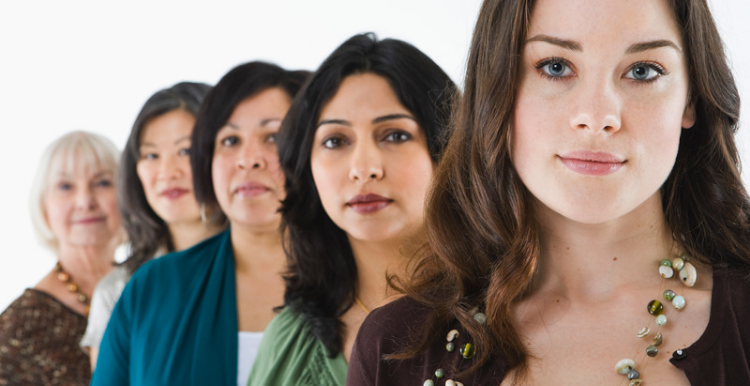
(466, 351)
(627, 367)
(71, 286)
(688, 275)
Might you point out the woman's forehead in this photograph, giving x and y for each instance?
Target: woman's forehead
(604, 23)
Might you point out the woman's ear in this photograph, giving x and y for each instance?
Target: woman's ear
(688, 116)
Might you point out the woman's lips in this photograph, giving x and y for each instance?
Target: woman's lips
(174, 193)
(368, 203)
(251, 189)
(592, 163)
(89, 220)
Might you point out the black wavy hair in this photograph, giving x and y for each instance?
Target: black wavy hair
(321, 282)
(147, 231)
(240, 83)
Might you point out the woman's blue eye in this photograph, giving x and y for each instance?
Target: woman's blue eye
(555, 68)
(644, 72)
(271, 138)
(104, 183)
(149, 156)
(64, 186)
(185, 151)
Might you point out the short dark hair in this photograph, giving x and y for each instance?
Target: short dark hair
(147, 231)
(322, 277)
(238, 84)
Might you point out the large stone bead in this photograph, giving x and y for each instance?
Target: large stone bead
(655, 307)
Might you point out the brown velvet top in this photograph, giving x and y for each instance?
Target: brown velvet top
(39, 339)
(720, 357)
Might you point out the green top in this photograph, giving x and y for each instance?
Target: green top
(290, 354)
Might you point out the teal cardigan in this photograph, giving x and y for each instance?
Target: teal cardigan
(176, 322)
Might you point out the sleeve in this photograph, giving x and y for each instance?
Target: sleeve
(113, 363)
(363, 363)
(387, 330)
(376, 337)
(103, 302)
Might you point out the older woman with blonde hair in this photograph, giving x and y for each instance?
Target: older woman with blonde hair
(74, 211)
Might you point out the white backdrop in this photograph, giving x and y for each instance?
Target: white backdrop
(90, 65)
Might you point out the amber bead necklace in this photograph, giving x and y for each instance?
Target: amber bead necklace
(64, 277)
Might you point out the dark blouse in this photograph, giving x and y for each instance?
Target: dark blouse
(721, 356)
(39, 343)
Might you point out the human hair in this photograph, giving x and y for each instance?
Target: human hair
(148, 233)
(240, 83)
(66, 153)
(321, 281)
(483, 237)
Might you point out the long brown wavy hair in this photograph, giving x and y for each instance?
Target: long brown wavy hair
(482, 237)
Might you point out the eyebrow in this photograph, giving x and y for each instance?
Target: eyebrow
(567, 44)
(266, 121)
(263, 123)
(575, 46)
(178, 140)
(645, 46)
(377, 120)
(64, 174)
(187, 137)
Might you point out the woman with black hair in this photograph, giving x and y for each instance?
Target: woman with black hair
(159, 210)
(189, 318)
(358, 148)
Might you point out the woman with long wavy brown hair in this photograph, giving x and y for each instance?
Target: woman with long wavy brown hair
(593, 166)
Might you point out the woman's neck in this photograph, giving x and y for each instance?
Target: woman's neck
(374, 261)
(188, 233)
(257, 250)
(87, 265)
(590, 262)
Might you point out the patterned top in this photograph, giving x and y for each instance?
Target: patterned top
(39, 343)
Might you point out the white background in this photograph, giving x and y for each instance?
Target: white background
(67, 65)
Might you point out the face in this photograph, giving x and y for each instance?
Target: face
(602, 100)
(370, 161)
(81, 207)
(247, 177)
(164, 167)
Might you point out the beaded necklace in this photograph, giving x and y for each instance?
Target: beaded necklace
(688, 276)
(71, 286)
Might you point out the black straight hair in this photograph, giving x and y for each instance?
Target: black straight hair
(147, 232)
(321, 281)
(240, 83)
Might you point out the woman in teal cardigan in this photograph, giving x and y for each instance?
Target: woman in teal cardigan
(358, 148)
(196, 317)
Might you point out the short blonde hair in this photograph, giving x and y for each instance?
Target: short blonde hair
(68, 151)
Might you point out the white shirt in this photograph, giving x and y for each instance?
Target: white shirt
(249, 342)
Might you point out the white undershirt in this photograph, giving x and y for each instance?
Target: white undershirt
(248, 350)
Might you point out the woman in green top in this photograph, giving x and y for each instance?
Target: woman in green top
(358, 148)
